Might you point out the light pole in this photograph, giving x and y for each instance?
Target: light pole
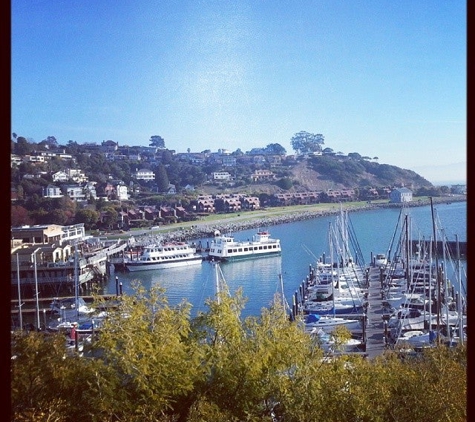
(37, 293)
(76, 281)
(20, 304)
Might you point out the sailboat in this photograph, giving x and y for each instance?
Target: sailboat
(326, 319)
(435, 324)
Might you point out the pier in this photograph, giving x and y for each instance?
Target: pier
(451, 246)
(376, 328)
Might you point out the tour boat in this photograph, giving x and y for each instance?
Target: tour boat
(226, 248)
(164, 255)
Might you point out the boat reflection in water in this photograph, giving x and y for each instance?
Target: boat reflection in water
(259, 279)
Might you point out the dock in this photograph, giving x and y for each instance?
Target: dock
(375, 324)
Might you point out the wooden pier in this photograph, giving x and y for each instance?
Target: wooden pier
(375, 325)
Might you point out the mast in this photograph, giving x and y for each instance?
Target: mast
(459, 301)
(437, 269)
(406, 245)
(216, 275)
(446, 287)
(330, 243)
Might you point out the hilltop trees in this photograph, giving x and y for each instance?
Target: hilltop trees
(275, 149)
(157, 141)
(305, 143)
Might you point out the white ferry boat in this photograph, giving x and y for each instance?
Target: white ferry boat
(226, 248)
(166, 255)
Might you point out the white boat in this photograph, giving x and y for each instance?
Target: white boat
(70, 306)
(380, 260)
(328, 323)
(226, 248)
(403, 299)
(164, 255)
(333, 307)
(328, 343)
(417, 338)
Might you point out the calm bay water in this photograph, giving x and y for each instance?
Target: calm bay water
(303, 242)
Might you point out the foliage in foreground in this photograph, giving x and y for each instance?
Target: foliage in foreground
(154, 363)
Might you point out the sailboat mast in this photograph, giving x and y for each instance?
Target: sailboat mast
(459, 301)
(216, 275)
(406, 245)
(437, 269)
(330, 243)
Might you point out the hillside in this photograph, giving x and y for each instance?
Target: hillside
(323, 173)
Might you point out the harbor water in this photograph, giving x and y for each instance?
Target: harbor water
(303, 242)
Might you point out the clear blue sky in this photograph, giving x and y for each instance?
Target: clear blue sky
(385, 79)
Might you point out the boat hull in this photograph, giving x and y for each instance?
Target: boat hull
(142, 266)
(242, 256)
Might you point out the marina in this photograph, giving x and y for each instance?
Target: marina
(261, 278)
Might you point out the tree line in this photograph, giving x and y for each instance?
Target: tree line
(153, 362)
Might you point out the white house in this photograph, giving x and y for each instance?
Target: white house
(144, 174)
(400, 195)
(221, 175)
(75, 192)
(77, 175)
(90, 190)
(52, 191)
(60, 176)
(122, 192)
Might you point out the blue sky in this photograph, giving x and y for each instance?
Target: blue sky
(385, 79)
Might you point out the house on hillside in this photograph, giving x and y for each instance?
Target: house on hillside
(400, 195)
(144, 174)
(52, 191)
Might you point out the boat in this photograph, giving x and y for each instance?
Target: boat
(331, 307)
(328, 343)
(70, 307)
(164, 255)
(226, 248)
(329, 322)
(380, 260)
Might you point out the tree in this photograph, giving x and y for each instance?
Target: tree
(88, 217)
(304, 142)
(49, 143)
(167, 157)
(19, 216)
(354, 156)
(152, 348)
(276, 149)
(285, 183)
(152, 362)
(157, 141)
(23, 147)
(110, 216)
(59, 216)
(161, 178)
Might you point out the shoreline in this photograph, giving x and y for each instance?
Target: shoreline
(238, 222)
